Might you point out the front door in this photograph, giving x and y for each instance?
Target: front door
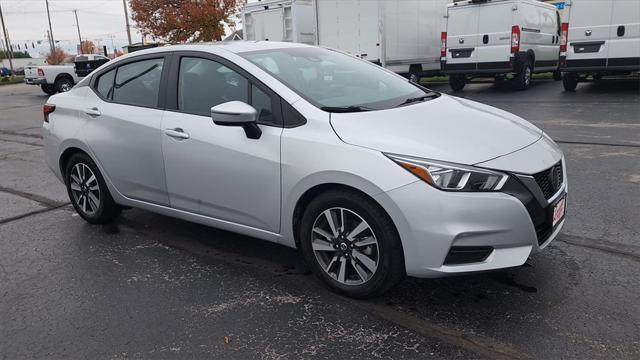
(215, 170)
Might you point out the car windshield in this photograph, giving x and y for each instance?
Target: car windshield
(337, 82)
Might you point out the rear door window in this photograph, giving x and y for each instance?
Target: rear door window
(138, 83)
(104, 84)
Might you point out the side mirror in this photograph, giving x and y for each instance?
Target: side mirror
(237, 113)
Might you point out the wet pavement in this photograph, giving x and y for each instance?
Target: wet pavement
(149, 286)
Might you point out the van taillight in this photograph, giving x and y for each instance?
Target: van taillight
(46, 110)
(40, 72)
(443, 44)
(515, 39)
(564, 37)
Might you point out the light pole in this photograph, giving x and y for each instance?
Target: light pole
(9, 52)
(53, 43)
(78, 26)
(126, 19)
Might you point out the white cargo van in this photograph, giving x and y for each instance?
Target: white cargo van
(500, 38)
(401, 35)
(599, 38)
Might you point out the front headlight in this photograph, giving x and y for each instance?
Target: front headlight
(452, 177)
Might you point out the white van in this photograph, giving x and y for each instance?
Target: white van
(400, 35)
(500, 38)
(599, 38)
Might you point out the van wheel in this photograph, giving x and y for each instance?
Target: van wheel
(48, 89)
(457, 82)
(414, 78)
(522, 81)
(570, 82)
(64, 84)
(351, 244)
(88, 192)
(557, 75)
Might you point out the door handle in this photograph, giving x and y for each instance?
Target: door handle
(177, 133)
(93, 112)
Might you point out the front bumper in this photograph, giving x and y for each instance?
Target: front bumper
(35, 81)
(433, 224)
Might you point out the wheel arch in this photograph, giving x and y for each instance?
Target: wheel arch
(64, 76)
(311, 193)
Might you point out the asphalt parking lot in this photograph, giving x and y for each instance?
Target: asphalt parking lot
(149, 286)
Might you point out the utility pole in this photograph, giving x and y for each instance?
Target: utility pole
(9, 52)
(126, 19)
(78, 26)
(53, 43)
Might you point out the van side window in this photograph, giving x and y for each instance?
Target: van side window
(138, 83)
(203, 84)
(104, 84)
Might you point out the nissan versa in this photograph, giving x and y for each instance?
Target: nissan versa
(371, 176)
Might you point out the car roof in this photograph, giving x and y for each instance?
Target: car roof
(230, 46)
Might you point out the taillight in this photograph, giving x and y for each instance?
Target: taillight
(443, 44)
(564, 37)
(515, 39)
(40, 72)
(46, 110)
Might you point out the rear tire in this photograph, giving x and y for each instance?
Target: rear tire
(522, 81)
(570, 82)
(360, 265)
(457, 82)
(88, 192)
(48, 89)
(63, 84)
(557, 75)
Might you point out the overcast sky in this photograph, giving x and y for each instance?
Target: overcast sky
(100, 21)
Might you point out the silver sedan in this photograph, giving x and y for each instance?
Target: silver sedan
(371, 176)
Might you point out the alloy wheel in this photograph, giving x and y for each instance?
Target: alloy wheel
(345, 246)
(85, 188)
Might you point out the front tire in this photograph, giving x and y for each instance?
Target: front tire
(569, 82)
(457, 82)
(350, 243)
(48, 89)
(88, 191)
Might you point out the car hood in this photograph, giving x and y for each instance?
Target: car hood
(446, 129)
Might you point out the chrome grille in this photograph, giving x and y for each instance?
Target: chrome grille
(550, 180)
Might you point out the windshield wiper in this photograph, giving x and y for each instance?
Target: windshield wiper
(430, 95)
(345, 109)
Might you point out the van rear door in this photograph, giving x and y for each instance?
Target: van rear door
(624, 46)
(589, 32)
(494, 35)
(462, 37)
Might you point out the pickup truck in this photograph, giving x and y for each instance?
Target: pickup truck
(53, 79)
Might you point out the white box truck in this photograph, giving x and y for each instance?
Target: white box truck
(280, 20)
(500, 39)
(599, 38)
(401, 35)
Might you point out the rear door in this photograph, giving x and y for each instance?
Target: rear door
(624, 46)
(269, 25)
(494, 35)
(462, 37)
(123, 114)
(589, 33)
